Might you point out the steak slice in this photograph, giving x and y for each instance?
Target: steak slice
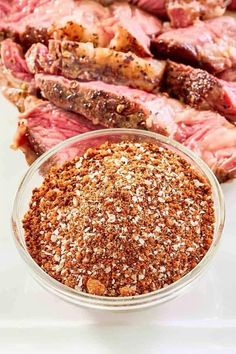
(136, 29)
(208, 134)
(43, 125)
(195, 129)
(82, 61)
(183, 13)
(12, 25)
(210, 45)
(12, 58)
(85, 20)
(102, 103)
(15, 79)
(31, 27)
(201, 90)
(124, 28)
(213, 139)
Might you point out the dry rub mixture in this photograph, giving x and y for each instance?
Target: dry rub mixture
(122, 220)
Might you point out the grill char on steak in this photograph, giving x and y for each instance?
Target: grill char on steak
(82, 61)
(120, 26)
(210, 44)
(204, 132)
(200, 89)
(106, 104)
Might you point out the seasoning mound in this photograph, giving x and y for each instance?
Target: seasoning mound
(124, 219)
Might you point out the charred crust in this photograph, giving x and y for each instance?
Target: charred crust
(110, 110)
(33, 35)
(194, 86)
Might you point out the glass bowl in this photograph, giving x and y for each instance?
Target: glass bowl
(76, 146)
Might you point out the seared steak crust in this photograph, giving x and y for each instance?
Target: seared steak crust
(195, 86)
(99, 105)
(201, 90)
(82, 61)
(206, 133)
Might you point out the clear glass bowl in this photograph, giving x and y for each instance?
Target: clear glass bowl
(76, 146)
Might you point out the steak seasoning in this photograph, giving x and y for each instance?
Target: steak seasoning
(124, 219)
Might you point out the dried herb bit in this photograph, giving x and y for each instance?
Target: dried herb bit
(122, 220)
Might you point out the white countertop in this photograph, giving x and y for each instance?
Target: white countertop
(34, 321)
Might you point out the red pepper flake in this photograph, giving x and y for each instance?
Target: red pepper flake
(124, 219)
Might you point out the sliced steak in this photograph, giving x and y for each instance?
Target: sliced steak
(33, 26)
(15, 79)
(14, 25)
(122, 28)
(159, 113)
(102, 103)
(13, 60)
(82, 61)
(183, 13)
(201, 90)
(43, 125)
(206, 133)
(84, 20)
(212, 138)
(210, 45)
(140, 27)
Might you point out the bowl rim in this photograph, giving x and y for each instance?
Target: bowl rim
(105, 302)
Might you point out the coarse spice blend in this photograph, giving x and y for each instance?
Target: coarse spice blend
(124, 219)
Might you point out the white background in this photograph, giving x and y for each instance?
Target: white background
(34, 321)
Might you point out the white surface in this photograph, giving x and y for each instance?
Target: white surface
(33, 321)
